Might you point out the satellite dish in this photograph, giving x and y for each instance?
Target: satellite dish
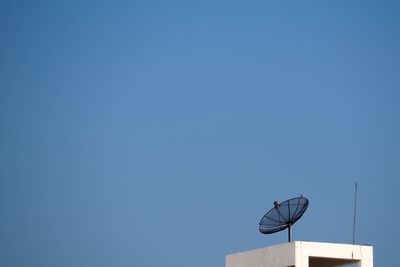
(283, 215)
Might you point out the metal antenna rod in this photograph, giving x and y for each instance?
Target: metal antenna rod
(355, 210)
(289, 233)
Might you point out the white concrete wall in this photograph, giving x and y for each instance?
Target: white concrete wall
(363, 255)
(278, 255)
(298, 254)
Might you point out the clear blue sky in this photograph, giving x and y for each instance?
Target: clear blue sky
(157, 133)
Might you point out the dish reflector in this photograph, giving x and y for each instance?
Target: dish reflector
(283, 215)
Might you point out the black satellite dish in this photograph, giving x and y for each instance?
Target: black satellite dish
(283, 215)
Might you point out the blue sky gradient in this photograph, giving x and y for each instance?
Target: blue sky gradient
(157, 133)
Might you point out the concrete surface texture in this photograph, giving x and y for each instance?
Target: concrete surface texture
(303, 254)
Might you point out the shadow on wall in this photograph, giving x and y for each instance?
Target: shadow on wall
(328, 262)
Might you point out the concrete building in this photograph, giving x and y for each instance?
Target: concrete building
(303, 254)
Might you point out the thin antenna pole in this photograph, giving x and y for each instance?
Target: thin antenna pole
(355, 210)
(289, 233)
